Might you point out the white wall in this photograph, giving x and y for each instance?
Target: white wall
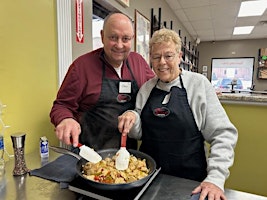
(142, 6)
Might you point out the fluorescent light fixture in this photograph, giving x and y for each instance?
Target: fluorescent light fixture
(252, 8)
(241, 30)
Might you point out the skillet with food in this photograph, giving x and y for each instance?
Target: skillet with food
(150, 164)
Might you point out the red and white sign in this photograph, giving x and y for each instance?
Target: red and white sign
(79, 21)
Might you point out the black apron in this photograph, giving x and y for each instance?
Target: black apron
(173, 138)
(100, 123)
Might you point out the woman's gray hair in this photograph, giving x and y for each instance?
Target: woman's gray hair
(165, 35)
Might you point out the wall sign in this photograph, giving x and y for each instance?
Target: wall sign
(79, 21)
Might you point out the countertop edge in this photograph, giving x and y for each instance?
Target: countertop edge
(240, 102)
(243, 98)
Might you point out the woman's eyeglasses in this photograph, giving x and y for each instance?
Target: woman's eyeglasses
(167, 57)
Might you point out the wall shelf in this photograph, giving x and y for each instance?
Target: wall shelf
(190, 56)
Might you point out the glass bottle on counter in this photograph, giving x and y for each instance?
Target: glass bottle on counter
(18, 140)
(2, 161)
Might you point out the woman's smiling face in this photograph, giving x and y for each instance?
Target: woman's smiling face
(165, 60)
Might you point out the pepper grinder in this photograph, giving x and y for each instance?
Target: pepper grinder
(18, 141)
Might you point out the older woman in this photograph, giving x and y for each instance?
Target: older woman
(175, 113)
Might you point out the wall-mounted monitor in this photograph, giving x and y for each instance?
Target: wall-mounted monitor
(232, 73)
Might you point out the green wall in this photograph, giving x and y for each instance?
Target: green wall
(249, 172)
(28, 69)
(28, 85)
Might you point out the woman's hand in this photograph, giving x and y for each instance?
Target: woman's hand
(209, 190)
(126, 121)
(66, 129)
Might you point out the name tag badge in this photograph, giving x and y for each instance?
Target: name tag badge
(125, 87)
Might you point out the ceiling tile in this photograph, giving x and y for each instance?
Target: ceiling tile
(200, 13)
(175, 4)
(193, 3)
(215, 19)
(181, 15)
(202, 24)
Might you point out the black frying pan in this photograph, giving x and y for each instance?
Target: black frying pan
(151, 165)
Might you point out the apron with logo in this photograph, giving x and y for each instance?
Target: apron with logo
(100, 123)
(170, 134)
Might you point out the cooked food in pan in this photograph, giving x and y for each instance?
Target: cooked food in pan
(105, 171)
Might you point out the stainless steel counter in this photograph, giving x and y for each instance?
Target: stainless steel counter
(30, 188)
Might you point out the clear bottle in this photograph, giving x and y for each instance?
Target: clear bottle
(44, 149)
(2, 161)
(2, 147)
(18, 140)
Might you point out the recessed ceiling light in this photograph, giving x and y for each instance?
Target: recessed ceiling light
(243, 30)
(252, 8)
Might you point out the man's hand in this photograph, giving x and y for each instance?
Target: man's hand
(68, 128)
(209, 190)
(126, 121)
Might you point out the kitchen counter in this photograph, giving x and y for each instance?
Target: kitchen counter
(30, 187)
(239, 97)
(27, 187)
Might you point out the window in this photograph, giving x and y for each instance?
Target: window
(236, 72)
(97, 27)
(99, 14)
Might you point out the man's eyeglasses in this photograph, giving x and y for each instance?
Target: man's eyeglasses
(167, 57)
(124, 39)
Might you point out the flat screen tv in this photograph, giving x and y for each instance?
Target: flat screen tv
(232, 73)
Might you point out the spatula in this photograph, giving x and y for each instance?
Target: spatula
(88, 153)
(123, 156)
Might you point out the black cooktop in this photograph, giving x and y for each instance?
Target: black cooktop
(81, 186)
